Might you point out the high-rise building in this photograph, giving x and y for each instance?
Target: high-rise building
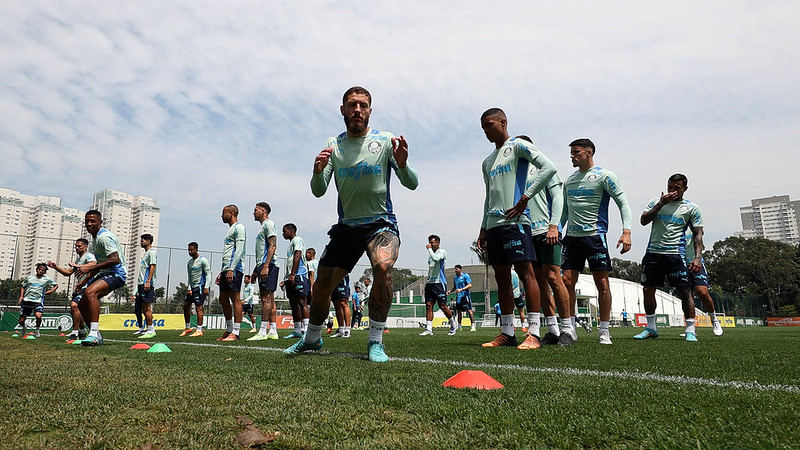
(774, 218)
(128, 217)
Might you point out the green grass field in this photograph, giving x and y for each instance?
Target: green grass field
(741, 390)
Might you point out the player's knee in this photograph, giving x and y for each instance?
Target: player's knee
(383, 268)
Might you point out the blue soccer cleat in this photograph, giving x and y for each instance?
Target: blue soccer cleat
(691, 337)
(91, 341)
(303, 346)
(293, 335)
(647, 334)
(377, 352)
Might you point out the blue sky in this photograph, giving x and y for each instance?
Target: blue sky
(201, 104)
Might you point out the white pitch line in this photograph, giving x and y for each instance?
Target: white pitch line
(623, 374)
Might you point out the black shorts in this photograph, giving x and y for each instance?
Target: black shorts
(699, 278)
(656, 266)
(342, 289)
(435, 292)
(27, 310)
(464, 303)
(300, 287)
(113, 281)
(508, 244)
(235, 286)
(519, 302)
(146, 296)
(546, 253)
(577, 250)
(78, 295)
(247, 308)
(196, 296)
(348, 243)
(272, 278)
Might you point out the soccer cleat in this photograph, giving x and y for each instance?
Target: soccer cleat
(452, 331)
(502, 340)
(253, 330)
(682, 335)
(36, 333)
(186, 332)
(303, 346)
(473, 328)
(258, 337)
(231, 337)
(565, 340)
(224, 335)
(198, 333)
(550, 339)
(524, 329)
(377, 352)
(72, 336)
(574, 334)
(148, 336)
(604, 337)
(92, 341)
(647, 334)
(717, 328)
(81, 334)
(338, 334)
(426, 333)
(691, 337)
(293, 335)
(346, 334)
(272, 335)
(139, 331)
(531, 343)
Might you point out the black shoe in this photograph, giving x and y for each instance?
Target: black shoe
(550, 339)
(81, 334)
(565, 340)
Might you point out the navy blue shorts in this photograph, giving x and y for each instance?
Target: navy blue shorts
(196, 296)
(699, 278)
(113, 281)
(247, 308)
(342, 289)
(300, 287)
(464, 303)
(146, 296)
(271, 284)
(577, 250)
(25, 311)
(656, 266)
(235, 286)
(78, 295)
(508, 244)
(519, 302)
(434, 292)
(348, 243)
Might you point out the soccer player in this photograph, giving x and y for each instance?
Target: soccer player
(341, 304)
(313, 264)
(436, 287)
(231, 274)
(670, 216)
(84, 257)
(700, 284)
(32, 294)
(358, 309)
(367, 288)
(296, 281)
(518, 291)
(106, 274)
(247, 302)
(145, 293)
(199, 272)
(266, 271)
(506, 228)
(361, 160)
(462, 283)
(586, 193)
(546, 208)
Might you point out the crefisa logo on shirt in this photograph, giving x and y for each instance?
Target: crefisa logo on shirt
(374, 147)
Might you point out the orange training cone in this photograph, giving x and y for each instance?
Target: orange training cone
(140, 346)
(474, 379)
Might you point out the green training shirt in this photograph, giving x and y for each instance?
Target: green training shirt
(547, 205)
(148, 259)
(436, 266)
(35, 288)
(586, 197)
(296, 244)
(199, 273)
(267, 231)
(85, 258)
(105, 244)
(668, 228)
(233, 250)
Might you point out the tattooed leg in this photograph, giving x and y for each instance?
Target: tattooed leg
(325, 282)
(382, 252)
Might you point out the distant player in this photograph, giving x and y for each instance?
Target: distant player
(519, 297)
(31, 297)
(247, 302)
(361, 161)
(296, 281)
(313, 265)
(145, 294)
(84, 257)
(670, 216)
(106, 274)
(436, 287)
(358, 308)
(266, 271)
(199, 273)
(231, 274)
(341, 304)
(700, 283)
(462, 283)
(505, 232)
(587, 193)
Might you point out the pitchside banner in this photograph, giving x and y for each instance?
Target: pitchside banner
(783, 321)
(50, 321)
(663, 320)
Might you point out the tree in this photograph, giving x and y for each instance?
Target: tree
(401, 278)
(482, 255)
(626, 270)
(180, 293)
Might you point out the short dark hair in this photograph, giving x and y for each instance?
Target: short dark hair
(264, 205)
(433, 236)
(93, 212)
(82, 240)
(193, 244)
(233, 209)
(457, 266)
(291, 226)
(679, 177)
(41, 264)
(583, 142)
(356, 90)
(524, 138)
(147, 237)
(492, 112)
(311, 249)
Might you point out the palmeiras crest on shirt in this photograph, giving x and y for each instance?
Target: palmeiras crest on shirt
(374, 147)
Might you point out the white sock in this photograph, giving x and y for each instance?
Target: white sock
(573, 320)
(429, 325)
(199, 328)
(273, 327)
(151, 328)
(263, 330)
(713, 316)
(236, 328)
(507, 324)
(533, 324)
(346, 329)
(566, 325)
(604, 326)
(94, 329)
(229, 325)
(552, 325)
(651, 321)
(297, 326)
(376, 330)
(314, 333)
(304, 325)
(690, 326)
(188, 325)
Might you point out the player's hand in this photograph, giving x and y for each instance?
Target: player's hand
(147, 286)
(205, 292)
(516, 211)
(400, 151)
(82, 269)
(482, 239)
(229, 277)
(427, 245)
(51, 264)
(322, 160)
(669, 197)
(291, 278)
(217, 280)
(552, 235)
(264, 273)
(696, 265)
(625, 241)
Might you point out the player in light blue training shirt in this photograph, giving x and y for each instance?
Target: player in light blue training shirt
(31, 297)
(266, 271)
(436, 287)
(230, 277)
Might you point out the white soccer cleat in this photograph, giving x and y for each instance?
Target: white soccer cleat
(604, 337)
(338, 334)
(426, 333)
(717, 328)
